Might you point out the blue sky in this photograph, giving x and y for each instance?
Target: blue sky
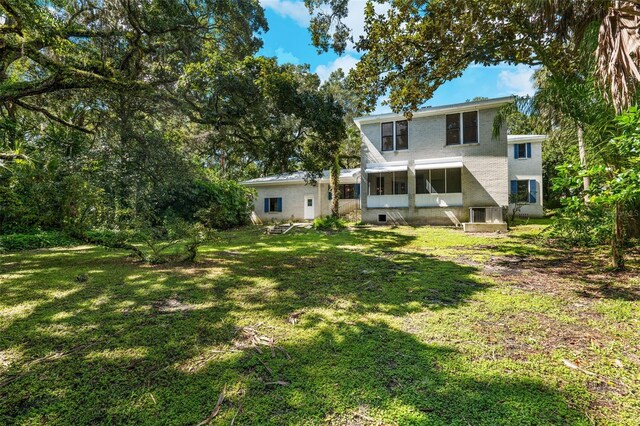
(288, 39)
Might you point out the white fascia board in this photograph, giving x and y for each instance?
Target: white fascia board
(513, 139)
(437, 110)
(439, 163)
(274, 183)
(390, 166)
(436, 166)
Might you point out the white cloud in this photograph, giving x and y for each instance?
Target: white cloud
(355, 19)
(286, 57)
(298, 12)
(295, 10)
(517, 81)
(346, 62)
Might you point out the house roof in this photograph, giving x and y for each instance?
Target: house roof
(298, 177)
(526, 138)
(438, 110)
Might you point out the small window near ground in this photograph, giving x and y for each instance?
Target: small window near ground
(382, 218)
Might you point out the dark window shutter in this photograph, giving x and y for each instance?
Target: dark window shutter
(330, 193)
(532, 191)
(515, 151)
(528, 150)
(514, 187)
(356, 189)
(266, 205)
(279, 204)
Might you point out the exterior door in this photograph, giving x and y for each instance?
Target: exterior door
(309, 207)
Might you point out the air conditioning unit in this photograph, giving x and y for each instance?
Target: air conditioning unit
(485, 215)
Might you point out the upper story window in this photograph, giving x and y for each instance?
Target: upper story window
(395, 135)
(462, 128)
(522, 150)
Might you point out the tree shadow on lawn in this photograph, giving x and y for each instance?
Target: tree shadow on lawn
(135, 344)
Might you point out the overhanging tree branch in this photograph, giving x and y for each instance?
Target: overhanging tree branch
(52, 117)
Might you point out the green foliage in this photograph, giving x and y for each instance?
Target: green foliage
(577, 224)
(329, 223)
(35, 240)
(409, 49)
(67, 46)
(114, 117)
(223, 204)
(602, 213)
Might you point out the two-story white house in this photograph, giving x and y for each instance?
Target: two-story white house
(442, 167)
(445, 166)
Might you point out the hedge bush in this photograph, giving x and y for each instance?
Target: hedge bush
(40, 239)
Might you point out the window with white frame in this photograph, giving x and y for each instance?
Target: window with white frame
(522, 150)
(439, 181)
(395, 135)
(462, 128)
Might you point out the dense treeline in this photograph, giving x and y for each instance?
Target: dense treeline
(123, 115)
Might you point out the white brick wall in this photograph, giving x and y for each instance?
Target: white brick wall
(485, 175)
(293, 196)
(528, 169)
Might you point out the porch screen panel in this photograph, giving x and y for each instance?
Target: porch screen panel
(400, 184)
(379, 185)
(422, 184)
(438, 179)
(454, 181)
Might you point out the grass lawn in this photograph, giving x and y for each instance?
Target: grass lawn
(371, 326)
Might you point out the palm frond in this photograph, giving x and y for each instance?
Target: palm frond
(618, 53)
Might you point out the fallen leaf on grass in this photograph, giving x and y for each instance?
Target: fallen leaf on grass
(293, 317)
(575, 366)
(216, 410)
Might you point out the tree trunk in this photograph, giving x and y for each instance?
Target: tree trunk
(583, 159)
(617, 239)
(335, 188)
